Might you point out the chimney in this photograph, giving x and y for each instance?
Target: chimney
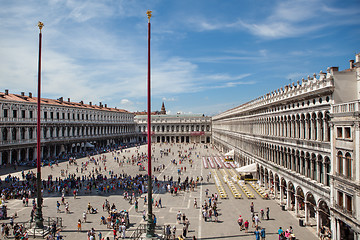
(100, 104)
(90, 103)
(105, 105)
(6, 91)
(30, 94)
(23, 94)
(61, 99)
(81, 102)
(334, 69)
(351, 64)
(68, 99)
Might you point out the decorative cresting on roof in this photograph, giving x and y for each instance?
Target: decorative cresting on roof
(22, 98)
(315, 83)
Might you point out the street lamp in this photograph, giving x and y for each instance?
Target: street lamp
(150, 225)
(38, 216)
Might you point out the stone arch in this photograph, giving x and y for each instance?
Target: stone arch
(310, 207)
(300, 199)
(291, 200)
(324, 213)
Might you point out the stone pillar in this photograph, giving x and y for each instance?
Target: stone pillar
(306, 131)
(319, 137)
(288, 200)
(1, 157)
(317, 221)
(10, 156)
(313, 129)
(275, 190)
(318, 171)
(306, 213)
(18, 155)
(296, 205)
(27, 154)
(281, 193)
(305, 170)
(337, 229)
(325, 126)
(333, 226)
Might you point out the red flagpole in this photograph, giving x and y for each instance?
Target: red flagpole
(38, 216)
(150, 225)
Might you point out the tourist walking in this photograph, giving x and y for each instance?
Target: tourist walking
(262, 234)
(79, 225)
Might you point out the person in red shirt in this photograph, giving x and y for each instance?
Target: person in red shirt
(246, 224)
(240, 222)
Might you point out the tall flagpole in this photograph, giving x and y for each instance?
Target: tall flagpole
(150, 225)
(38, 216)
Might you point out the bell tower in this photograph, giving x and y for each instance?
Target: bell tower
(163, 111)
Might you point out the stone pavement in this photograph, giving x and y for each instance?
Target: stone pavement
(229, 209)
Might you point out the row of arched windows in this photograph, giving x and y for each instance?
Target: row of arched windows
(176, 128)
(344, 165)
(11, 133)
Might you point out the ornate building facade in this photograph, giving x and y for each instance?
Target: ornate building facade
(289, 134)
(180, 128)
(65, 127)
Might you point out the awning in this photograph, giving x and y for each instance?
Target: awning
(251, 168)
(231, 153)
(89, 145)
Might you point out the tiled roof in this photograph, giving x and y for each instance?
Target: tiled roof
(58, 102)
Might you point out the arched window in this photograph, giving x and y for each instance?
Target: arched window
(30, 133)
(348, 163)
(4, 134)
(340, 162)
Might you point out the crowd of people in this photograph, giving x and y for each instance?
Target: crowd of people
(93, 175)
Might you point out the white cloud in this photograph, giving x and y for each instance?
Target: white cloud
(172, 99)
(125, 102)
(286, 19)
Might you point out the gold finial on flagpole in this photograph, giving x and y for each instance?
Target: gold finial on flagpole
(40, 25)
(148, 12)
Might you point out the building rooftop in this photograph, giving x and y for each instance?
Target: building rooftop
(59, 102)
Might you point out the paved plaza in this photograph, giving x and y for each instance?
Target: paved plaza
(229, 209)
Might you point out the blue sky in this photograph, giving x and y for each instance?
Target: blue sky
(207, 56)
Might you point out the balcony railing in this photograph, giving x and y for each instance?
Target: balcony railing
(344, 210)
(346, 107)
(344, 176)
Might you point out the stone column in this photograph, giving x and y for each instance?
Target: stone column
(301, 133)
(306, 130)
(288, 200)
(306, 213)
(325, 126)
(275, 190)
(317, 221)
(281, 193)
(312, 172)
(337, 229)
(10, 156)
(306, 168)
(318, 171)
(1, 157)
(319, 137)
(18, 155)
(34, 153)
(333, 226)
(296, 205)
